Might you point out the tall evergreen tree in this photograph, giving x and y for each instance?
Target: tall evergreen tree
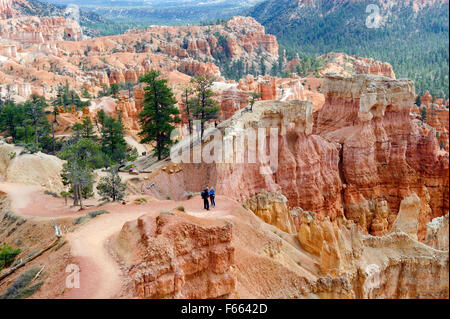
(81, 159)
(114, 89)
(159, 115)
(112, 140)
(34, 110)
(85, 129)
(187, 106)
(204, 106)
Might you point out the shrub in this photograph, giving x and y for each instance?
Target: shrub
(97, 213)
(181, 208)
(46, 192)
(21, 288)
(7, 255)
(191, 195)
(140, 201)
(83, 219)
(169, 197)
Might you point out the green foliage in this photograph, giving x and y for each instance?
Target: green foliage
(140, 201)
(83, 219)
(114, 89)
(159, 115)
(85, 93)
(7, 255)
(418, 101)
(27, 124)
(204, 107)
(66, 97)
(254, 97)
(423, 114)
(113, 144)
(415, 44)
(132, 154)
(85, 129)
(181, 208)
(22, 288)
(97, 213)
(47, 192)
(82, 157)
(190, 195)
(110, 187)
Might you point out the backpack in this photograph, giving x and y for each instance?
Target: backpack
(204, 194)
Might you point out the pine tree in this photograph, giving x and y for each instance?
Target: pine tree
(204, 106)
(81, 159)
(114, 89)
(35, 118)
(85, 129)
(424, 114)
(111, 186)
(113, 143)
(187, 106)
(254, 97)
(159, 115)
(418, 101)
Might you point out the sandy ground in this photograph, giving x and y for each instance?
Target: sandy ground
(100, 274)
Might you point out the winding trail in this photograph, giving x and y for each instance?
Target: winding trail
(100, 274)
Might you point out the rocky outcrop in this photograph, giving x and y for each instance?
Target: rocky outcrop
(374, 267)
(30, 169)
(345, 65)
(272, 209)
(437, 233)
(370, 66)
(384, 156)
(6, 9)
(40, 30)
(195, 68)
(408, 217)
(357, 157)
(128, 113)
(177, 257)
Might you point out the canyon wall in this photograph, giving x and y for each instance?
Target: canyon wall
(357, 157)
(177, 257)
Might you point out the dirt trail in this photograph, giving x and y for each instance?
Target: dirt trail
(31, 201)
(100, 274)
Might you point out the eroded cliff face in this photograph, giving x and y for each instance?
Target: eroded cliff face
(385, 156)
(357, 157)
(230, 252)
(177, 257)
(346, 65)
(40, 30)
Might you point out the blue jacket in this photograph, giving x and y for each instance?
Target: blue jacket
(212, 192)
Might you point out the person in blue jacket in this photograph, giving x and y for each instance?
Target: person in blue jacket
(212, 196)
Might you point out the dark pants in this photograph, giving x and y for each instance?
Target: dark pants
(206, 203)
(211, 198)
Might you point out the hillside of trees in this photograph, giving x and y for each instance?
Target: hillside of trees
(415, 44)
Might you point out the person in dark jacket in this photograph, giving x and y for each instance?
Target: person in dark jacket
(205, 196)
(212, 196)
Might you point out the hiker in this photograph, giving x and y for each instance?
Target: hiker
(205, 195)
(212, 196)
